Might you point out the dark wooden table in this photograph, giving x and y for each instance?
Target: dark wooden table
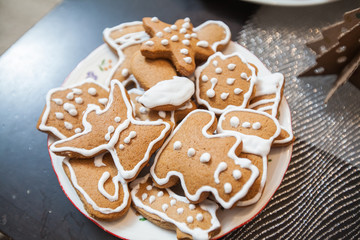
(32, 203)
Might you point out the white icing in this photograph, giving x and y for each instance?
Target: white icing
(224, 96)
(205, 157)
(191, 206)
(159, 34)
(167, 29)
(121, 146)
(231, 66)
(188, 60)
(188, 105)
(68, 125)
(218, 70)
(199, 217)
(149, 43)
(227, 188)
(177, 145)
(174, 38)
(160, 194)
(58, 101)
(92, 91)
(186, 25)
(204, 78)
(234, 122)
(78, 130)
(215, 63)
(111, 129)
(226, 29)
(101, 189)
(172, 202)
(184, 51)
(151, 199)
(211, 92)
(125, 72)
(230, 81)
(246, 125)
(144, 196)
(173, 27)
(143, 110)
(191, 152)
(180, 210)
(186, 42)
(220, 168)
(168, 92)
(187, 36)
(103, 101)
(182, 30)
(98, 161)
(117, 119)
(237, 91)
(256, 125)
(165, 207)
(162, 114)
(132, 135)
(244, 76)
(70, 96)
(148, 187)
(190, 219)
(194, 35)
(155, 19)
(187, 19)
(73, 112)
(77, 91)
(164, 42)
(59, 115)
(203, 44)
(79, 100)
(236, 174)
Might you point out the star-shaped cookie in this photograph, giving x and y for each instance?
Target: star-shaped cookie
(114, 129)
(178, 43)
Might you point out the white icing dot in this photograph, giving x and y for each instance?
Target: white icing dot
(70, 96)
(199, 217)
(230, 81)
(125, 72)
(224, 96)
(151, 199)
(218, 70)
(77, 91)
(184, 51)
(59, 115)
(117, 119)
(213, 80)
(164, 42)
(177, 145)
(186, 19)
(190, 219)
(194, 35)
(159, 34)
(73, 112)
(172, 202)
(174, 38)
(111, 129)
(68, 125)
(231, 66)
(237, 91)
(180, 210)
(78, 130)
(188, 60)
(167, 29)
(162, 114)
(186, 42)
(121, 146)
(256, 125)
(173, 27)
(203, 44)
(236, 174)
(143, 110)
(58, 101)
(191, 152)
(243, 76)
(148, 187)
(144, 196)
(187, 36)
(149, 43)
(92, 91)
(234, 122)
(160, 194)
(205, 157)
(103, 101)
(215, 63)
(182, 30)
(246, 125)
(155, 19)
(210, 93)
(79, 100)
(191, 206)
(227, 188)
(128, 138)
(164, 207)
(68, 106)
(186, 25)
(204, 78)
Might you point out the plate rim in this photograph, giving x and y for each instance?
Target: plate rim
(289, 3)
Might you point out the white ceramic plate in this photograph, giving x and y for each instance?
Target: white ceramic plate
(291, 3)
(130, 226)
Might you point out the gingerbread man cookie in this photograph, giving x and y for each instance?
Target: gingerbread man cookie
(62, 115)
(203, 162)
(224, 81)
(114, 129)
(97, 182)
(257, 130)
(171, 211)
(178, 43)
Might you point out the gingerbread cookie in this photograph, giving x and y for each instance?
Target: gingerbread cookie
(114, 129)
(97, 182)
(224, 81)
(168, 95)
(203, 162)
(257, 130)
(178, 43)
(171, 211)
(62, 115)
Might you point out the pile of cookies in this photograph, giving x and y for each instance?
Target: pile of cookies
(206, 119)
